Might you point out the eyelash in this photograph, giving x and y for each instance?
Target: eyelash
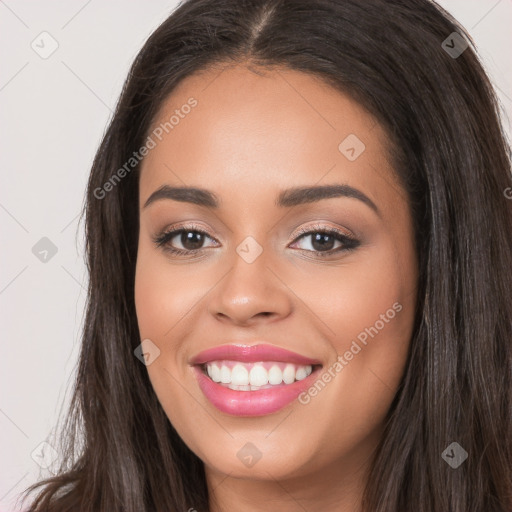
(349, 243)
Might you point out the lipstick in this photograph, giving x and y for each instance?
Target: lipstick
(227, 390)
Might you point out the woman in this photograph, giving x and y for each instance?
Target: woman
(299, 245)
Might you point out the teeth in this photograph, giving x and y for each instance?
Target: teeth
(301, 373)
(215, 373)
(239, 375)
(258, 376)
(225, 375)
(254, 376)
(275, 375)
(289, 374)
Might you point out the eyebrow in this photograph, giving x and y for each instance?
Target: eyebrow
(286, 198)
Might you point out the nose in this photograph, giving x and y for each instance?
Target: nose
(250, 293)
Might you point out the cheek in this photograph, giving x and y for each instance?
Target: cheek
(163, 297)
(169, 297)
(164, 293)
(368, 309)
(369, 297)
(159, 306)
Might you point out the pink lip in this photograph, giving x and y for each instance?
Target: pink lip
(251, 354)
(251, 403)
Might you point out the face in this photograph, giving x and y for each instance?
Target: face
(315, 290)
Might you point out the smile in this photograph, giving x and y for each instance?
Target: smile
(252, 380)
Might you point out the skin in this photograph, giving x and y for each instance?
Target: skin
(253, 134)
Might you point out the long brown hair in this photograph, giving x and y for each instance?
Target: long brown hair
(119, 450)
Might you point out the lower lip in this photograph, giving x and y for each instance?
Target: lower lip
(251, 403)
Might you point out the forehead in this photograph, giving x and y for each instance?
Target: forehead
(260, 129)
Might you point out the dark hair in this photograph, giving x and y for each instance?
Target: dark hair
(441, 114)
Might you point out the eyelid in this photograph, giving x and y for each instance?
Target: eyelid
(318, 227)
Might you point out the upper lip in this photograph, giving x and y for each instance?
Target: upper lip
(251, 354)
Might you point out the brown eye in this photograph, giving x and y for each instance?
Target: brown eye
(323, 241)
(191, 240)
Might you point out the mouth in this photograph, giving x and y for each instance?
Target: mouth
(253, 380)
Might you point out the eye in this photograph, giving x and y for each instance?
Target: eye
(190, 237)
(322, 240)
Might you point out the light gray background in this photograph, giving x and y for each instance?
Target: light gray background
(54, 112)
